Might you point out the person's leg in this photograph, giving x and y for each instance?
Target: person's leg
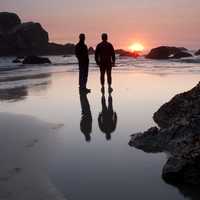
(85, 75)
(102, 70)
(81, 76)
(109, 78)
(102, 77)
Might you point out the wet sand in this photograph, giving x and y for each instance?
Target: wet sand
(24, 146)
(44, 150)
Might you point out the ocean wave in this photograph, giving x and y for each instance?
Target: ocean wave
(70, 64)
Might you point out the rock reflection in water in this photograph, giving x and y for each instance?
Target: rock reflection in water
(13, 92)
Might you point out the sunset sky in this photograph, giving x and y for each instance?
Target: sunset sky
(150, 22)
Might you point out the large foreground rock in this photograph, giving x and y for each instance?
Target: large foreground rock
(165, 52)
(180, 109)
(179, 135)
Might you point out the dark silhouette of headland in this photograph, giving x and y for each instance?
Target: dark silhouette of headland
(29, 38)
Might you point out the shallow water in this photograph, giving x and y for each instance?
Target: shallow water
(101, 168)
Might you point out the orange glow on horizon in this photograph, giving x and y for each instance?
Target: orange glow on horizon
(136, 47)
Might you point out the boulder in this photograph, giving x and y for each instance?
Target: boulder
(182, 54)
(16, 60)
(178, 134)
(36, 60)
(29, 36)
(59, 49)
(178, 170)
(91, 50)
(119, 51)
(197, 53)
(123, 53)
(165, 52)
(24, 39)
(183, 49)
(180, 109)
(8, 21)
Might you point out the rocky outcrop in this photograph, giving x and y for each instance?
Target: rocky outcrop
(24, 39)
(181, 54)
(58, 49)
(180, 109)
(20, 38)
(29, 36)
(91, 50)
(8, 21)
(123, 53)
(197, 53)
(36, 60)
(179, 135)
(16, 60)
(165, 52)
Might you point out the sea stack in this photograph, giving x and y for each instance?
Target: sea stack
(177, 134)
(166, 52)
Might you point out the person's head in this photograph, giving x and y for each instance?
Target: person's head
(82, 37)
(104, 37)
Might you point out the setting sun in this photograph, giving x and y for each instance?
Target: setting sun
(136, 47)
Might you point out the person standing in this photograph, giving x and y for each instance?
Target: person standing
(81, 51)
(105, 58)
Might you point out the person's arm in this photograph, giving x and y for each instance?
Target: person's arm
(87, 52)
(76, 51)
(115, 120)
(97, 55)
(113, 54)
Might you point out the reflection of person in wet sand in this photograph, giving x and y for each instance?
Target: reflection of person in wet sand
(86, 119)
(107, 118)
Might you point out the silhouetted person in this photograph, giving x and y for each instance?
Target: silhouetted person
(81, 51)
(86, 119)
(105, 58)
(107, 118)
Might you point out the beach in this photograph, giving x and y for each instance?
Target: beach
(44, 152)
